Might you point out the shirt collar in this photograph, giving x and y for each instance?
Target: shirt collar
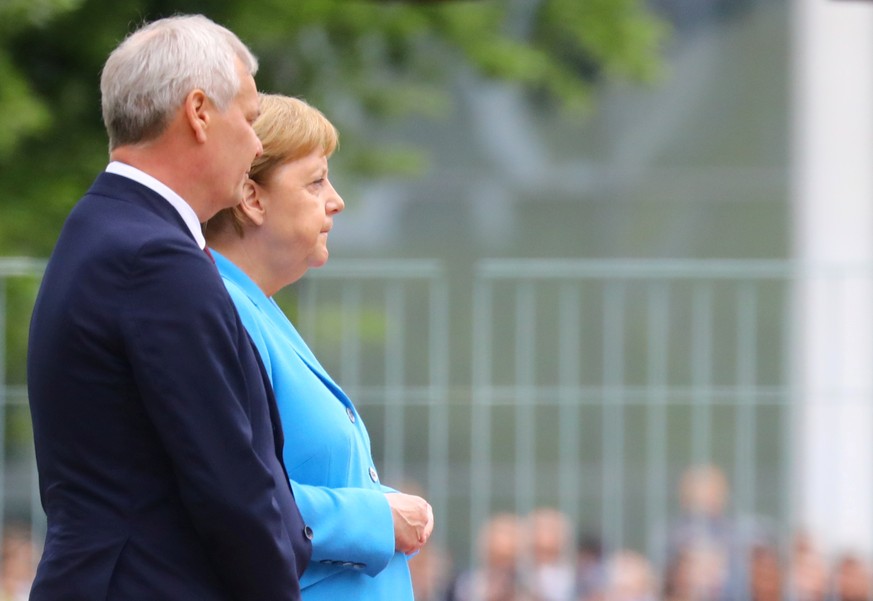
(183, 208)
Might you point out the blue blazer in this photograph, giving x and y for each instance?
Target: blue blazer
(157, 444)
(332, 473)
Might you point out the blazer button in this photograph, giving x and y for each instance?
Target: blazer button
(351, 414)
(374, 476)
(307, 532)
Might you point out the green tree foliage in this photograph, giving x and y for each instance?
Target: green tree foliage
(25, 112)
(361, 61)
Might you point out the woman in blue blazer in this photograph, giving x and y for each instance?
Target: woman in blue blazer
(362, 531)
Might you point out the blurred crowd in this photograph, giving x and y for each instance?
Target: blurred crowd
(707, 555)
(18, 557)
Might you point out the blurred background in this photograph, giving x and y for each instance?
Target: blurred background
(603, 287)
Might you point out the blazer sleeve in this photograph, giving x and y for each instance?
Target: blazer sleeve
(185, 352)
(352, 526)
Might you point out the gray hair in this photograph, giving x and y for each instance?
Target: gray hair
(147, 77)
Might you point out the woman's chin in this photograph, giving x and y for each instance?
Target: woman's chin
(318, 259)
(317, 264)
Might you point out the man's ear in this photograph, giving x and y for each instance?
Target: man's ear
(197, 113)
(252, 205)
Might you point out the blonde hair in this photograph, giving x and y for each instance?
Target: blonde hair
(289, 129)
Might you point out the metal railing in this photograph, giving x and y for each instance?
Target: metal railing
(589, 386)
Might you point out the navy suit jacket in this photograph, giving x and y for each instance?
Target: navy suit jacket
(157, 437)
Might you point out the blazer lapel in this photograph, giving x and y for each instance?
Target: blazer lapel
(306, 355)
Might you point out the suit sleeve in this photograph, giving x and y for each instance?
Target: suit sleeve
(184, 343)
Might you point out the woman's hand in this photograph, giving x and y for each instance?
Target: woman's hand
(413, 521)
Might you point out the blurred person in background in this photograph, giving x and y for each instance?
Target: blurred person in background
(363, 531)
(808, 571)
(500, 542)
(697, 573)
(765, 573)
(17, 558)
(589, 565)
(852, 578)
(706, 528)
(628, 576)
(430, 569)
(703, 494)
(701, 540)
(550, 571)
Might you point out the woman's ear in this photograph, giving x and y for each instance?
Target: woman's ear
(252, 204)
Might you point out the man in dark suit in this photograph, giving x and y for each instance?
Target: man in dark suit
(157, 437)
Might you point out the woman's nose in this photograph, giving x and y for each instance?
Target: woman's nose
(336, 203)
